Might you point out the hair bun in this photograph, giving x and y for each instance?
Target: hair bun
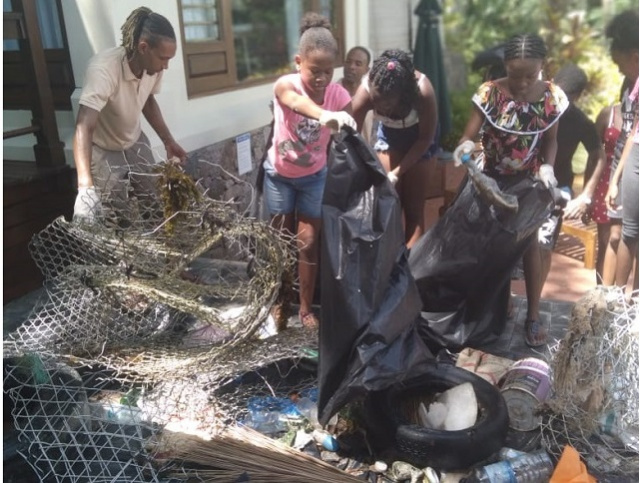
(314, 20)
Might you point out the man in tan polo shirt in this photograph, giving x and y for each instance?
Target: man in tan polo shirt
(112, 155)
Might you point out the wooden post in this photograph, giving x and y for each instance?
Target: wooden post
(49, 150)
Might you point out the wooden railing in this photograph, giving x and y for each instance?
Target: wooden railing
(22, 25)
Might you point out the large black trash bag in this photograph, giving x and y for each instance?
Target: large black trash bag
(370, 305)
(462, 266)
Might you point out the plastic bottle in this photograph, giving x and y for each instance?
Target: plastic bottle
(122, 413)
(509, 453)
(267, 422)
(308, 409)
(534, 467)
(327, 440)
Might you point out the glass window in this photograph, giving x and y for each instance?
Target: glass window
(200, 20)
(236, 42)
(48, 22)
(18, 61)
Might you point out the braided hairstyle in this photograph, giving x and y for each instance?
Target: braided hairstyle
(623, 31)
(393, 74)
(142, 23)
(525, 46)
(315, 34)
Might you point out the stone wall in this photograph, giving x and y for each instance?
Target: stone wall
(216, 168)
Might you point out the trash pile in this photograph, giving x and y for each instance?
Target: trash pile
(154, 357)
(595, 397)
(145, 324)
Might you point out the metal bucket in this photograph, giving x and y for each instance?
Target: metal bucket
(526, 384)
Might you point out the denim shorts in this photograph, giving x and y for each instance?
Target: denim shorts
(287, 195)
(402, 139)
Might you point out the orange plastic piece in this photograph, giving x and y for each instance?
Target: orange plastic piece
(570, 469)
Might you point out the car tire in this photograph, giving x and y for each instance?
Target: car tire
(440, 449)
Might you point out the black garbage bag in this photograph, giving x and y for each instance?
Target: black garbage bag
(462, 266)
(370, 304)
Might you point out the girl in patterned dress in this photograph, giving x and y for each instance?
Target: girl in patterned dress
(518, 116)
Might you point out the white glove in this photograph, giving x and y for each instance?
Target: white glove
(546, 175)
(464, 148)
(335, 120)
(87, 206)
(392, 177)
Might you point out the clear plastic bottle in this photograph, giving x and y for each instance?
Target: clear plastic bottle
(509, 453)
(267, 422)
(534, 467)
(307, 408)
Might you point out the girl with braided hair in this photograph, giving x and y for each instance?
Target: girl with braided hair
(519, 117)
(307, 108)
(404, 103)
(110, 149)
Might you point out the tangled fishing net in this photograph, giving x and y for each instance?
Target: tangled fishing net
(155, 316)
(594, 401)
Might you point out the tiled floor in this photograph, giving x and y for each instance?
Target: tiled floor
(566, 283)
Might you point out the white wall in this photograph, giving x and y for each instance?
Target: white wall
(389, 25)
(94, 25)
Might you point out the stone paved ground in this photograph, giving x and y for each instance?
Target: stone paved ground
(567, 282)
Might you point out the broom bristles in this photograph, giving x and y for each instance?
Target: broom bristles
(239, 450)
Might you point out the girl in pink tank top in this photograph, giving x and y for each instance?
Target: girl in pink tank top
(307, 107)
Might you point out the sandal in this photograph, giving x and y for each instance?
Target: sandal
(535, 333)
(309, 320)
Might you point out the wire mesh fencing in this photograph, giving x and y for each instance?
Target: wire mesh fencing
(594, 401)
(155, 311)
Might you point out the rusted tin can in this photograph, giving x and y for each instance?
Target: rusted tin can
(525, 385)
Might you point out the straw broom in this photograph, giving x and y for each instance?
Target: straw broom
(242, 451)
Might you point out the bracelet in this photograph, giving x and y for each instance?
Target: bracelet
(585, 199)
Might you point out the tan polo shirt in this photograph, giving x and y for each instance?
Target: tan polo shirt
(111, 88)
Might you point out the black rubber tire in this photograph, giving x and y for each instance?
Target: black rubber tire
(439, 449)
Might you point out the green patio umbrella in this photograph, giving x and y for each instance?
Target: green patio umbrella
(427, 58)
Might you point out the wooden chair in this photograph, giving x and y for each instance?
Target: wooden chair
(588, 236)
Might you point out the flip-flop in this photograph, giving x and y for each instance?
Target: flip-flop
(535, 333)
(309, 320)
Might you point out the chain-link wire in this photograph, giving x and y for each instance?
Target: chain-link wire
(594, 401)
(156, 315)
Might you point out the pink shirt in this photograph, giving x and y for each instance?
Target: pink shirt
(299, 143)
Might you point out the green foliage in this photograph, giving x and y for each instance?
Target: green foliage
(474, 25)
(604, 81)
(460, 110)
(572, 29)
